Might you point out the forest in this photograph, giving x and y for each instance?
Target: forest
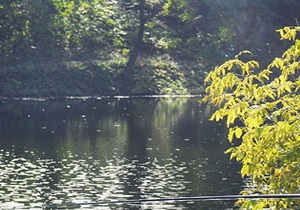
(56, 48)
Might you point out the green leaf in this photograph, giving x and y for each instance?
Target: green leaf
(231, 117)
(230, 135)
(238, 132)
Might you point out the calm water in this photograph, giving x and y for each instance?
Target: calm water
(82, 151)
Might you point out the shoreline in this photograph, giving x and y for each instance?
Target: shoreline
(5, 98)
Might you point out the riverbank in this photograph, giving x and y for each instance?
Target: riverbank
(81, 78)
(45, 58)
(95, 97)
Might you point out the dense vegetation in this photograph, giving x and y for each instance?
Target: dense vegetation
(262, 110)
(96, 47)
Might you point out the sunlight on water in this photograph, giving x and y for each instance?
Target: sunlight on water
(82, 152)
(33, 182)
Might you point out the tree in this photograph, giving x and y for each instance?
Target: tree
(88, 25)
(262, 110)
(138, 41)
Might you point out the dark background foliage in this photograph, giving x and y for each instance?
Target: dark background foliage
(82, 47)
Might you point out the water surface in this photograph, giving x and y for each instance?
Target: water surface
(83, 151)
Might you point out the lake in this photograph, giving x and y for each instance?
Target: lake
(81, 151)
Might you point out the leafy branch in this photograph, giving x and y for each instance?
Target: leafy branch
(268, 114)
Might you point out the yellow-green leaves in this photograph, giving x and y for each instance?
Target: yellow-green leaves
(264, 112)
(288, 32)
(236, 131)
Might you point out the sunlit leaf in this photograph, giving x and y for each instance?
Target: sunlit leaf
(238, 132)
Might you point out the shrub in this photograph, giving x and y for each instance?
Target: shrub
(262, 111)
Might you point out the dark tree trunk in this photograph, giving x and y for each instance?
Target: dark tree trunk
(134, 52)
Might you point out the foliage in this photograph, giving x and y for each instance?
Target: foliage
(262, 110)
(88, 24)
(196, 34)
(25, 25)
(49, 79)
(160, 76)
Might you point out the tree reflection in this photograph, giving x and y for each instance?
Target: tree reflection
(90, 150)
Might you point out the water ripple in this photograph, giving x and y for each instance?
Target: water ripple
(29, 182)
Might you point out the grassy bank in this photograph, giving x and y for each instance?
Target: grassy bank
(81, 78)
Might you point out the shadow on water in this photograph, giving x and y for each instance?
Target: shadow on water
(82, 151)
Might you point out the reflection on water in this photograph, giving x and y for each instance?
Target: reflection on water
(83, 151)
